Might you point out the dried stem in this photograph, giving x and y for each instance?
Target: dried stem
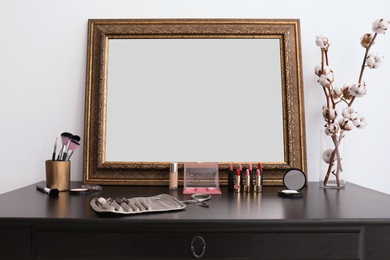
(335, 158)
(363, 65)
(325, 61)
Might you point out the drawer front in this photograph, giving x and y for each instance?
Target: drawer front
(317, 244)
(285, 246)
(15, 240)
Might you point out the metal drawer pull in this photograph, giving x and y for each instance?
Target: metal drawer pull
(199, 241)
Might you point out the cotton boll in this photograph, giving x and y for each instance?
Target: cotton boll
(360, 122)
(345, 112)
(358, 90)
(345, 89)
(374, 61)
(345, 124)
(370, 61)
(380, 26)
(366, 40)
(330, 114)
(336, 92)
(331, 129)
(318, 70)
(379, 58)
(326, 79)
(326, 155)
(322, 41)
(349, 113)
(353, 116)
(328, 70)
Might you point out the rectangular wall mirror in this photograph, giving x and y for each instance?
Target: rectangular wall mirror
(192, 90)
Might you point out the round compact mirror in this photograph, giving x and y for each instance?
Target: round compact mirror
(294, 180)
(79, 191)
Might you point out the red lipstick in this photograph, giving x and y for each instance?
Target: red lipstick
(250, 167)
(237, 184)
(258, 186)
(247, 186)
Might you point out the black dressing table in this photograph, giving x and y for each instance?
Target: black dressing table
(353, 223)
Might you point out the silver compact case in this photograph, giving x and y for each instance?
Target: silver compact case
(294, 180)
(78, 191)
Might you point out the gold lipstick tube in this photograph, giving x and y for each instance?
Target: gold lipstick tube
(237, 187)
(258, 188)
(247, 186)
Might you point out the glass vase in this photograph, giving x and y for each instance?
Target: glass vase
(332, 172)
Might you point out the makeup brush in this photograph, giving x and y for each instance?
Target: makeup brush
(54, 150)
(65, 138)
(73, 145)
(76, 138)
(51, 192)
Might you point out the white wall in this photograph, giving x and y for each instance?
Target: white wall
(43, 60)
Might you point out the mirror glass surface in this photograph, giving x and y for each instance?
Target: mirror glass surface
(198, 100)
(192, 90)
(294, 179)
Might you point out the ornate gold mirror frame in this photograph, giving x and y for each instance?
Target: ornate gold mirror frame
(99, 170)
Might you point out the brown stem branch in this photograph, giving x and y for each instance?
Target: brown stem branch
(363, 65)
(327, 92)
(337, 160)
(339, 167)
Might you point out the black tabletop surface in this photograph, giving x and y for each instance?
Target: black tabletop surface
(353, 202)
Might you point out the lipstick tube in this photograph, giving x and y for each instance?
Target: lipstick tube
(250, 167)
(242, 176)
(237, 182)
(257, 187)
(247, 185)
(230, 178)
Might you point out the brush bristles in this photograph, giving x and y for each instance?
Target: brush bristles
(76, 138)
(65, 137)
(53, 193)
(73, 145)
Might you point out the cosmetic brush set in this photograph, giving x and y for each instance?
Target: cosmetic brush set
(70, 143)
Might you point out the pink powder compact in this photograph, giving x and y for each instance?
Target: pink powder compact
(201, 178)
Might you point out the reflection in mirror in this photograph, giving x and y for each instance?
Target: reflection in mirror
(161, 90)
(160, 110)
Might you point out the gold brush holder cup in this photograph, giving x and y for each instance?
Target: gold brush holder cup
(58, 175)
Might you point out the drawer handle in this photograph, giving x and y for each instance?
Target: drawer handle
(199, 241)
